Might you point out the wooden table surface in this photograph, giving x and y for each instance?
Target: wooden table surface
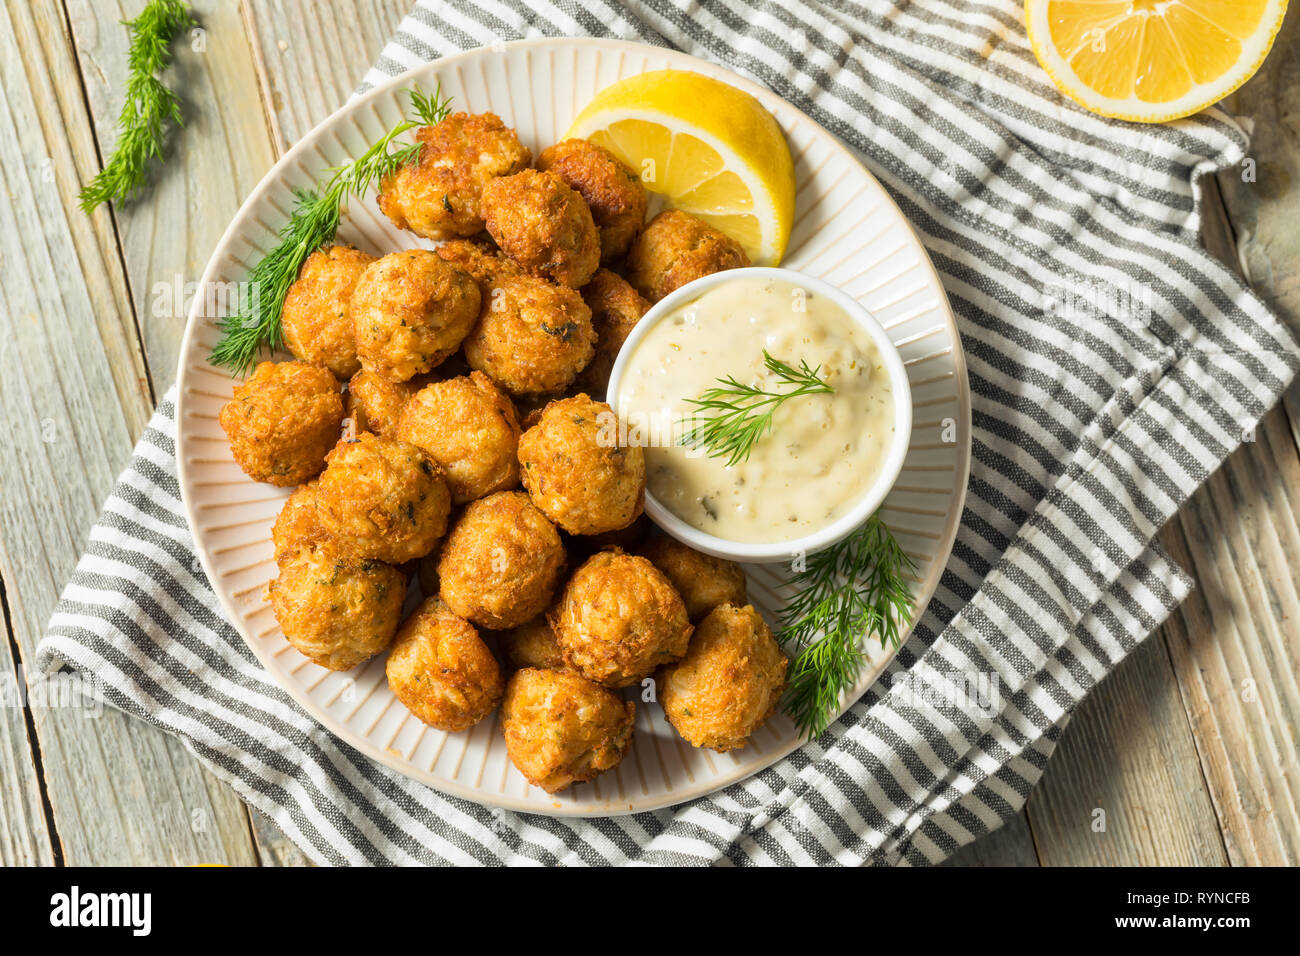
(1189, 748)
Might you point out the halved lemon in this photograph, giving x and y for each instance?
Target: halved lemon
(708, 148)
(1151, 60)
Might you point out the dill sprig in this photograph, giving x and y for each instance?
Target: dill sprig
(150, 106)
(732, 417)
(845, 592)
(312, 224)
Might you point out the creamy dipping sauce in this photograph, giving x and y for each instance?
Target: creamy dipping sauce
(824, 450)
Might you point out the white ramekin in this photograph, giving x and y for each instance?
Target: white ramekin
(766, 552)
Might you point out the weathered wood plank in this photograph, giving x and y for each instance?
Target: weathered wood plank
(222, 153)
(1263, 197)
(1235, 643)
(25, 837)
(1010, 845)
(67, 156)
(1128, 753)
(73, 387)
(314, 55)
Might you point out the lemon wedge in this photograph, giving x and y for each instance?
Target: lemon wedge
(1151, 60)
(706, 147)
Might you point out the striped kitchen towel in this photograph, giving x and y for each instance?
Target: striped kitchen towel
(1113, 364)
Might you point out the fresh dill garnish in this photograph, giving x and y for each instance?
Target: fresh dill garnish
(731, 417)
(843, 593)
(150, 106)
(312, 224)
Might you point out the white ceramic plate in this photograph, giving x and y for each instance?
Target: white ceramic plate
(847, 231)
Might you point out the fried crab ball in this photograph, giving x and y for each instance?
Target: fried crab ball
(468, 426)
(336, 609)
(376, 404)
(729, 682)
(702, 580)
(543, 225)
(297, 525)
(532, 337)
(613, 192)
(616, 308)
(561, 728)
(410, 311)
(442, 671)
(677, 248)
(577, 471)
(481, 261)
(501, 563)
(317, 314)
(440, 196)
(618, 619)
(531, 645)
(383, 499)
(282, 421)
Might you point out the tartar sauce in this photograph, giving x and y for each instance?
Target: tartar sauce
(824, 451)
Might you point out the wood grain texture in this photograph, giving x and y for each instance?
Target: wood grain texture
(220, 155)
(313, 55)
(26, 839)
(1128, 753)
(1235, 643)
(72, 388)
(1010, 845)
(1263, 197)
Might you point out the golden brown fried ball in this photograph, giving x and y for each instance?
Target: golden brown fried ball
(383, 499)
(532, 337)
(614, 193)
(531, 645)
(482, 261)
(410, 311)
(440, 196)
(729, 682)
(576, 470)
(677, 248)
(616, 308)
(501, 563)
(468, 426)
(561, 728)
(618, 619)
(337, 609)
(317, 314)
(297, 525)
(282, 421)
(376, 403)
(442, 671)
(702, 580)
(543, 225)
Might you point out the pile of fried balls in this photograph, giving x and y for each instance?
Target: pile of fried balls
(467, 451)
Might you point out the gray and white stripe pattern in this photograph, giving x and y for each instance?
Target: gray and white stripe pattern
(1113, 366)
